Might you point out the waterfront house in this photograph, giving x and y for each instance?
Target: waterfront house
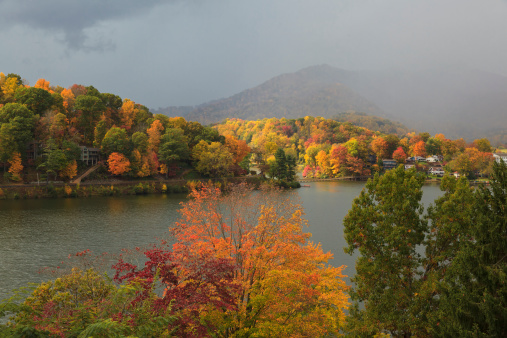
(389, 163)
(90, 156)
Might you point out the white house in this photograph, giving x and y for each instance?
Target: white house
(500, 156)
(436, 171)
(432, 159)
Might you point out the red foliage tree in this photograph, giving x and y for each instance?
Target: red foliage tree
(399, 155)
(210, 286)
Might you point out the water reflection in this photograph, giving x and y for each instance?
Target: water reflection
(40, 233)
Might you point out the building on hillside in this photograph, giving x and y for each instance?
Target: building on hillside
(432, 159)
(438, 171)
(409, 166)
(500, 156)
(389, 163)
(90, 156)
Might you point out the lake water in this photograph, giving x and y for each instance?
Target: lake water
(41, 233)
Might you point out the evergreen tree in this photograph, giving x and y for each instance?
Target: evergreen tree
(474, 301)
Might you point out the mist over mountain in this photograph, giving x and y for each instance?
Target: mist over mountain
(457, 102)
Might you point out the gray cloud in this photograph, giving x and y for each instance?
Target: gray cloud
(177, 52)
(72, 18)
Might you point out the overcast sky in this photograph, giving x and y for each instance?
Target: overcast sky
(186, 52)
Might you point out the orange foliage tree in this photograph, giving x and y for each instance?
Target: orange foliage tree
(43, 84)
(16, 167)
(118, 164)
(68, 99)
(238, 148)
(154, 133)
(419, 149)
(287, 286)
(379, 146)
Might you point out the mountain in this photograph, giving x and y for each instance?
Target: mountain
(456, 102)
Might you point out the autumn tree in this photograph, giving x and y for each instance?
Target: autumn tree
(483, 145)
(154, 133)
(419, 149)
(338, 159)
(118, 164)
(70, 170)
(287, 286)
(15, 167)
(399, 155)
(43, 84)
(238, 148)
(68, 100)
(380, 147)
(213, 159)
(85, 303)
(461, 164)
(128, 113)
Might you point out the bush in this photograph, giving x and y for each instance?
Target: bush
(51, 191)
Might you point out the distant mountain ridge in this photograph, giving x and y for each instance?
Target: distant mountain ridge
(457, 102)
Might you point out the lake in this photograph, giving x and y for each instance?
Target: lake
(41, 233)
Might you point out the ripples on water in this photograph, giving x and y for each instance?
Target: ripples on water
(42, 233)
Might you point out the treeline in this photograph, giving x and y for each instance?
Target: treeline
(47, 128)
(329, 148)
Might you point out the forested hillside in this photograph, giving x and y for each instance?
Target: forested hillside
(55, 131)
(329, 148)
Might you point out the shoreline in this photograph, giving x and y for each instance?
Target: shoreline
(107, 188)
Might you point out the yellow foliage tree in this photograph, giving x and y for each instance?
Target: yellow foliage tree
(128, 113)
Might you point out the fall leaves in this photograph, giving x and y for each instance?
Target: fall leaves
(241, 265)
(287, 287)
